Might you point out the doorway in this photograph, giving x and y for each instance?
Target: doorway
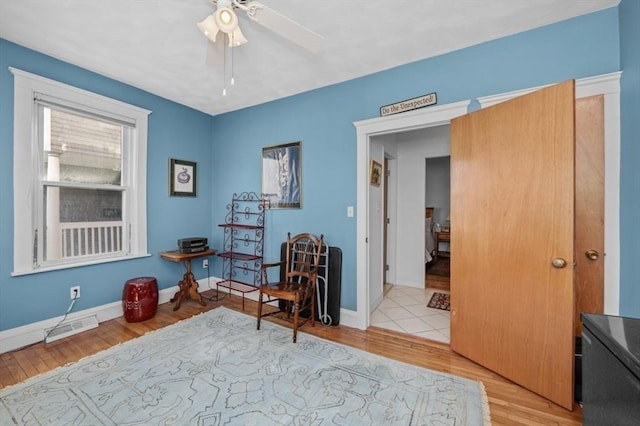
(437, 223)
(370, 133)
(404, 308)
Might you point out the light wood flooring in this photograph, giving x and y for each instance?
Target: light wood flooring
(509, 403)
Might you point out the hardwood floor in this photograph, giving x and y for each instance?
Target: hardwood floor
(436, 282)
(509, 403)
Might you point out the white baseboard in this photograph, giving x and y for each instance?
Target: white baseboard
(19, 337)
(70, 328)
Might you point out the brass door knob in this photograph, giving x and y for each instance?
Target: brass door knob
(592, 254)
(559, 262)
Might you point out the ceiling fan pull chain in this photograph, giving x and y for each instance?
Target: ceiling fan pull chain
(224, 70)
(232, 80)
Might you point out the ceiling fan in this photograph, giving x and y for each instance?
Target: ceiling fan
(225, 20)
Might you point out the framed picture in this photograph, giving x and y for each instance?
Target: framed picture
(182, 178)
(375, 174)
(282, 175)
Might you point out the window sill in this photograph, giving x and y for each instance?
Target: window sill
(79, 264)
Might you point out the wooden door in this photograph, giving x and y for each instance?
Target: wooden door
(589, 279)
(512, 208)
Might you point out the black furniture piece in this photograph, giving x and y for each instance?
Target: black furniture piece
(610, 370)
(329, 285)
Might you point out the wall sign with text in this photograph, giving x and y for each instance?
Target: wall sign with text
(409, 104)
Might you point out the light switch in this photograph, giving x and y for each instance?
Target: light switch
(350, 211)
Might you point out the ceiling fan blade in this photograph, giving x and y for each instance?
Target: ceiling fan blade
(282, 25)
(211, 54)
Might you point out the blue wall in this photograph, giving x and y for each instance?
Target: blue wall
(630, 156)
(228, 148)
(174, 132)
(322, 120)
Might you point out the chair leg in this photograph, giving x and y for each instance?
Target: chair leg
(313, 307)
(296, 313)
(259, 310)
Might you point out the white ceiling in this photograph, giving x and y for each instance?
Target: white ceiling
(156, 46)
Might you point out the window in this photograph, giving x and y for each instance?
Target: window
(80, 171)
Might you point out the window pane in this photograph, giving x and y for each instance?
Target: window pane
(81, 149)
(81, 222)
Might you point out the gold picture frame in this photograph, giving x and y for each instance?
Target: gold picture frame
(375, 173)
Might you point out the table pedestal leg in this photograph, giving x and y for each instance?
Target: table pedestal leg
(188, 289)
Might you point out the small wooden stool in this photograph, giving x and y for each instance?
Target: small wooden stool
(140, 299)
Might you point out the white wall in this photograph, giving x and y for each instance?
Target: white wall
(412, 149)
(391, 154)
(376, 152)
(438, 188)
(405, 251)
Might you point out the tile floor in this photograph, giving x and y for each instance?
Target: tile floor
(404, 309)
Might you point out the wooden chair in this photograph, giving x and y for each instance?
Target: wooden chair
(296, 292)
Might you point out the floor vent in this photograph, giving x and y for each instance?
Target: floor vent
(70, 328)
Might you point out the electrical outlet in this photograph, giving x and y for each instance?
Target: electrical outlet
(205, 263)
(74, 292)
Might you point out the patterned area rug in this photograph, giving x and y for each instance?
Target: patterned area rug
(440, 301)
(216, 369)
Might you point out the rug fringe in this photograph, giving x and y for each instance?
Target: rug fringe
(486, 413)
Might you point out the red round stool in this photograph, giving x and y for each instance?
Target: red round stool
(140, 299)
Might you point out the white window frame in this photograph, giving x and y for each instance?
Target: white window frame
(25, 170)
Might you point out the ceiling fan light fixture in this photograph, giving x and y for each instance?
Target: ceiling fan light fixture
(236, 38)
(225, 16)
(226, 19)
(209, 27)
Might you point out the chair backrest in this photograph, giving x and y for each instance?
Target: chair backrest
(303, 257)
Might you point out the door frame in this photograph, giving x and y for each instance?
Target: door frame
(367, 129)
(607, 85)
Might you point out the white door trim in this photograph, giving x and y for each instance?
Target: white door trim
(426, 117)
